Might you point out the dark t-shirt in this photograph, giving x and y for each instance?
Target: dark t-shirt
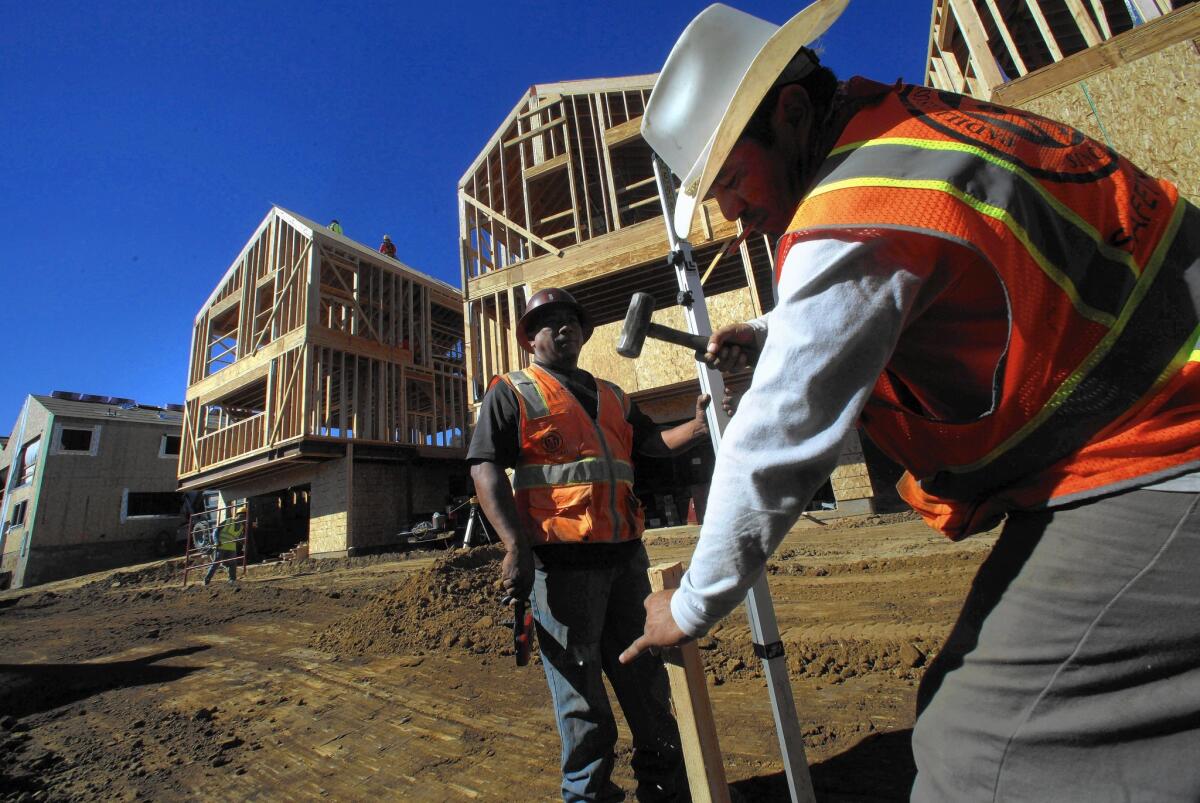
(497, 439)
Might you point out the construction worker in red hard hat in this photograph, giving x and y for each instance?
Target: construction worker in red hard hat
(572, 529)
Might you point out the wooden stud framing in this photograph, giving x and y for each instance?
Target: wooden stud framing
(331, 332)
(960, 56)
(564, 187)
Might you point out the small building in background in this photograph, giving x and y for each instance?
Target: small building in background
(326, 388)
(87, 483)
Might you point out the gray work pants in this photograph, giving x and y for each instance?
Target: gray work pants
(1073, 672)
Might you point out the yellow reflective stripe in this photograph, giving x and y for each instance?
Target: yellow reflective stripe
(1102, 245)
(1097, 354)
(577, 472)
(995, 212)
(527, 388)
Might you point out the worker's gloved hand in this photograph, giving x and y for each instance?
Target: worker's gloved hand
(732, 347)
(516, 573)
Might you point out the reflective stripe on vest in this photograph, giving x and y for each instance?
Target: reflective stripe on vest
(589, 470)
(535, 404)
(1115, 245)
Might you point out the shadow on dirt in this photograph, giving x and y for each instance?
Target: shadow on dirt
(32, 688)
(879, 768)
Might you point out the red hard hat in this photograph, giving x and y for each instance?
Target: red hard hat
(552, 296)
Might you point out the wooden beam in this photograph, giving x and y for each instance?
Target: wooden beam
(634, 245)
(547, 166)
(693, 711)
(533, 132)
(1180, 25)
(982, 60)
(524, 232)
(1102, 18)
(623, 132)
(957, 82)
(1013, 52)
(1084, 21)
(1035, 9)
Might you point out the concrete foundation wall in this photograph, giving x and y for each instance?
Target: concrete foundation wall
(46, 564)
(328, 502)
(380, 509)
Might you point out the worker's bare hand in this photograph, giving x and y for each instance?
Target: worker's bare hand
(660, 631)
(516, 573)
(702, 402)
(730, 403)
(732, 347)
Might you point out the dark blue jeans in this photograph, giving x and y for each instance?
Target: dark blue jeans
(585, 618)
(230, 567)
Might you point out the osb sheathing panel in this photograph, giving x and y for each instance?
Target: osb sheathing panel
(1150, 109)
(660, 363)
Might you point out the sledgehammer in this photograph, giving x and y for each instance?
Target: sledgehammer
(638, 327)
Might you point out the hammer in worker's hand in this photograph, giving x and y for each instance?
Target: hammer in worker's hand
(638, 327)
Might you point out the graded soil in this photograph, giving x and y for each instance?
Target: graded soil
(392, 677)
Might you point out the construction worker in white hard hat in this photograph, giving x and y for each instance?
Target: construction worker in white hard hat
(1010, 311)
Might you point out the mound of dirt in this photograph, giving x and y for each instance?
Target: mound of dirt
(728, 654)
(452, 605)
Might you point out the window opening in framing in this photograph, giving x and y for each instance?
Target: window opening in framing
(222, 346)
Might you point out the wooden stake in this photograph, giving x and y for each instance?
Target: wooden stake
(693, 711)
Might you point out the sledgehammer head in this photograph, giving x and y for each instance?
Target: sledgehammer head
(637, 325)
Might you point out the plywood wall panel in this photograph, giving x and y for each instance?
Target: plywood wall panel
(1149, 109)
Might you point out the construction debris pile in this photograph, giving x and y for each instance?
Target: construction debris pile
(452, 605)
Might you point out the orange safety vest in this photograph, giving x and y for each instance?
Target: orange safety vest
(1098, 385)
(574, 477)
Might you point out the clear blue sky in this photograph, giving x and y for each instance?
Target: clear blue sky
(142, 143)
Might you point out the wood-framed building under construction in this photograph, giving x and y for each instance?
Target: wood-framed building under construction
(1124, 72)
(563, 194)
(326, 385)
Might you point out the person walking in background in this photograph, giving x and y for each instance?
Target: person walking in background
(225, 543)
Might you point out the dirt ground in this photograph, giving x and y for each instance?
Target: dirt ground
(392, 677)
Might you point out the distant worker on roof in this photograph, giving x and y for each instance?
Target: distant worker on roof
(335, 227)
(573, 537)
(1011, 311)
(387, 247)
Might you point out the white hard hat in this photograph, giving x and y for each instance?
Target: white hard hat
(723, 65)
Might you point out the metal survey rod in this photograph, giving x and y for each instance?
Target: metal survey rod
(764, 630)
